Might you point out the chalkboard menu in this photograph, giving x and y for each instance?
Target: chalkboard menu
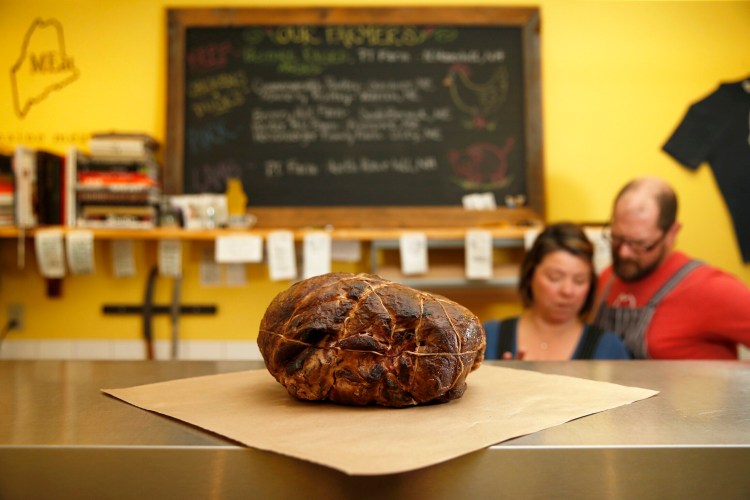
(355, 107)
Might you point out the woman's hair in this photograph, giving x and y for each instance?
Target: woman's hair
(564, 236)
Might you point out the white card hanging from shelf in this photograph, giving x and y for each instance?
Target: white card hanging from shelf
(50, 253)
(346, 250)
(236, 274)
(79, 247)
(316, 254)
(602, 248)
(529, 236)
(210, 270)
(413, 253)
(478, 254)
(170, 257)
(282, 260)
(233, 249)
(123, 262)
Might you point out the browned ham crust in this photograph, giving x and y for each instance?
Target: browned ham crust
(361, 340)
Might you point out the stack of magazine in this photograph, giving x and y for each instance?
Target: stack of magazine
(117, 183)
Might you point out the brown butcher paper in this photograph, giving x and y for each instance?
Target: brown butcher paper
(499, 404)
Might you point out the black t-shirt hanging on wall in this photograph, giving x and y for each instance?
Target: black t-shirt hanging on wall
(716, 129)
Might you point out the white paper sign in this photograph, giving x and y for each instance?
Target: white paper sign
(170, 257)
(50, 253)
(210, 270)
(529, 236)
(236, 274)
(79, 246)
(282, 260)
(316, 254)
(602, 248)
(478, 254)
(123, 262)
(239, 248)
(346, 250)
(413, 253)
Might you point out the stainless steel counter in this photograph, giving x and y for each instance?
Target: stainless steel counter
(60, 437)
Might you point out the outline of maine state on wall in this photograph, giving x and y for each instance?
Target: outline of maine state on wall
(42, 67)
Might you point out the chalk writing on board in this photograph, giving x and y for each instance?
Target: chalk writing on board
(479, 100)
(213, 175)
(354, 115)
(483, 166)
(217, 94)
(210, 136)
(294, 167)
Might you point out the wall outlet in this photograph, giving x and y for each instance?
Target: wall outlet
(15, 315)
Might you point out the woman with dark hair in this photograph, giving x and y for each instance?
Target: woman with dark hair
(557, 288)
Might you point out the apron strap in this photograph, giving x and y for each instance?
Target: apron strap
(672, 282)
(661, 292)
(631, 323)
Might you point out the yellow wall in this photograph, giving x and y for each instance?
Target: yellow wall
(616, 79)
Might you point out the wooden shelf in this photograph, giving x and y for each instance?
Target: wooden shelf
(446, 246)
(390, 235)
(508, 281)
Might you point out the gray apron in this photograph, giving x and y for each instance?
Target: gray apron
(631, 323)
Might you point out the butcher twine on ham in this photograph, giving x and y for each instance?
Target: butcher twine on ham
(362, 340)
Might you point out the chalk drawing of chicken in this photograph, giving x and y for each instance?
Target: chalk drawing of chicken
(482, 165)
(479, 100)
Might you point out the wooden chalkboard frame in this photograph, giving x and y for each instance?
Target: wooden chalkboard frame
(525, 18)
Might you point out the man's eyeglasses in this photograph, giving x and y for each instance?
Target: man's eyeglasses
(638, 247)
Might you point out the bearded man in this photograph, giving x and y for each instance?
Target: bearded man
(664, 304)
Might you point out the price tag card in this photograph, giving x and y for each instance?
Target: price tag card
(529, 237)
(346, 250)
(233, 249)
(210, 270)
(79, 247)
(478, 254)
(602, 248)
(170, 257)
(50, 253)
(282, 260)
(123, 262)
(236, 274)
(413, 253)
(316, 256)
